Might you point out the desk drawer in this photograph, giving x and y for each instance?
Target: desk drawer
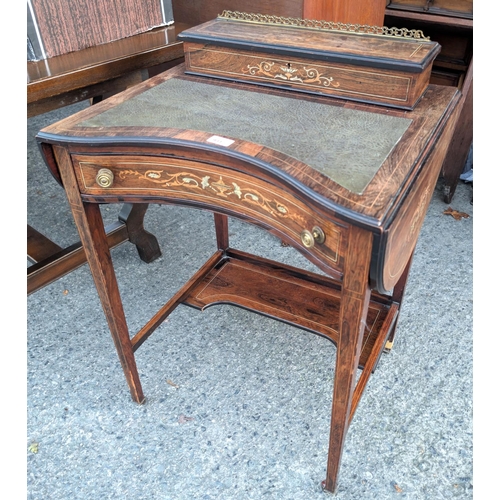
(211, 187)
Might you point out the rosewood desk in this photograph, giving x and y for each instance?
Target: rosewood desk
(346, 184)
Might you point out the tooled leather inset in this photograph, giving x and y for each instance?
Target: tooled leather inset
(347, 145)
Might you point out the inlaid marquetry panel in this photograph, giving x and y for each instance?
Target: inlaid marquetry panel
(366, 84)
(379, 65)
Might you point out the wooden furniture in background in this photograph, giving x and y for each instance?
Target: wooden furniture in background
(455, 8)
(196, 12)
(360, 228)
(64, 26)
(101, 70)
(450, 23)
(93, 72)
(366, 12)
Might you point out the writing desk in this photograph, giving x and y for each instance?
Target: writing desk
(346, 184)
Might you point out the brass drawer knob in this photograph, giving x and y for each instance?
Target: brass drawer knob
(105, 178)
(319, 235)
(309, 238)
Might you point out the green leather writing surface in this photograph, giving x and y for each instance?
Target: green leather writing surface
(347, 145)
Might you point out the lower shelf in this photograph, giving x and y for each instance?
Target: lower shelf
(288, 294)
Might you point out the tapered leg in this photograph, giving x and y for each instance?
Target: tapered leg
(355, 299)
(90, 226)
(221, 231)
(397, 296)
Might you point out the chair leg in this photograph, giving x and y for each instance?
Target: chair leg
(132, 215)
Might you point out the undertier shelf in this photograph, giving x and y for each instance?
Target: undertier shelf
(288, 294)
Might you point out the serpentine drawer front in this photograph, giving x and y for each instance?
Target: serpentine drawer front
(215, 188)
(346, 184)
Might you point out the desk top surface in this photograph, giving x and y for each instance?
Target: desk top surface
(356, 157)
(327, 138)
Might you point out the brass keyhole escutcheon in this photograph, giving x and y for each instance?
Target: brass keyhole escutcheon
(105, 178)
(309, 238)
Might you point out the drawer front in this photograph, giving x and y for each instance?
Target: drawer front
(212, 187)
(339, 80)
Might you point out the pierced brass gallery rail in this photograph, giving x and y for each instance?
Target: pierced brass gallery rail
(323, 25)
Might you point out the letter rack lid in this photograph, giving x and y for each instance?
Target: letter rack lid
(373, 46)
(389, 66)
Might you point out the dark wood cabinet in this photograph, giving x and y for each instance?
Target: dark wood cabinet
(448, 22)
(453, 8)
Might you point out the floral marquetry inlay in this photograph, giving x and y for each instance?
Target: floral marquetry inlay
(218, 187)
(289, 73)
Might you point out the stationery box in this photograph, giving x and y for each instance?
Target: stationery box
(377, 65)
